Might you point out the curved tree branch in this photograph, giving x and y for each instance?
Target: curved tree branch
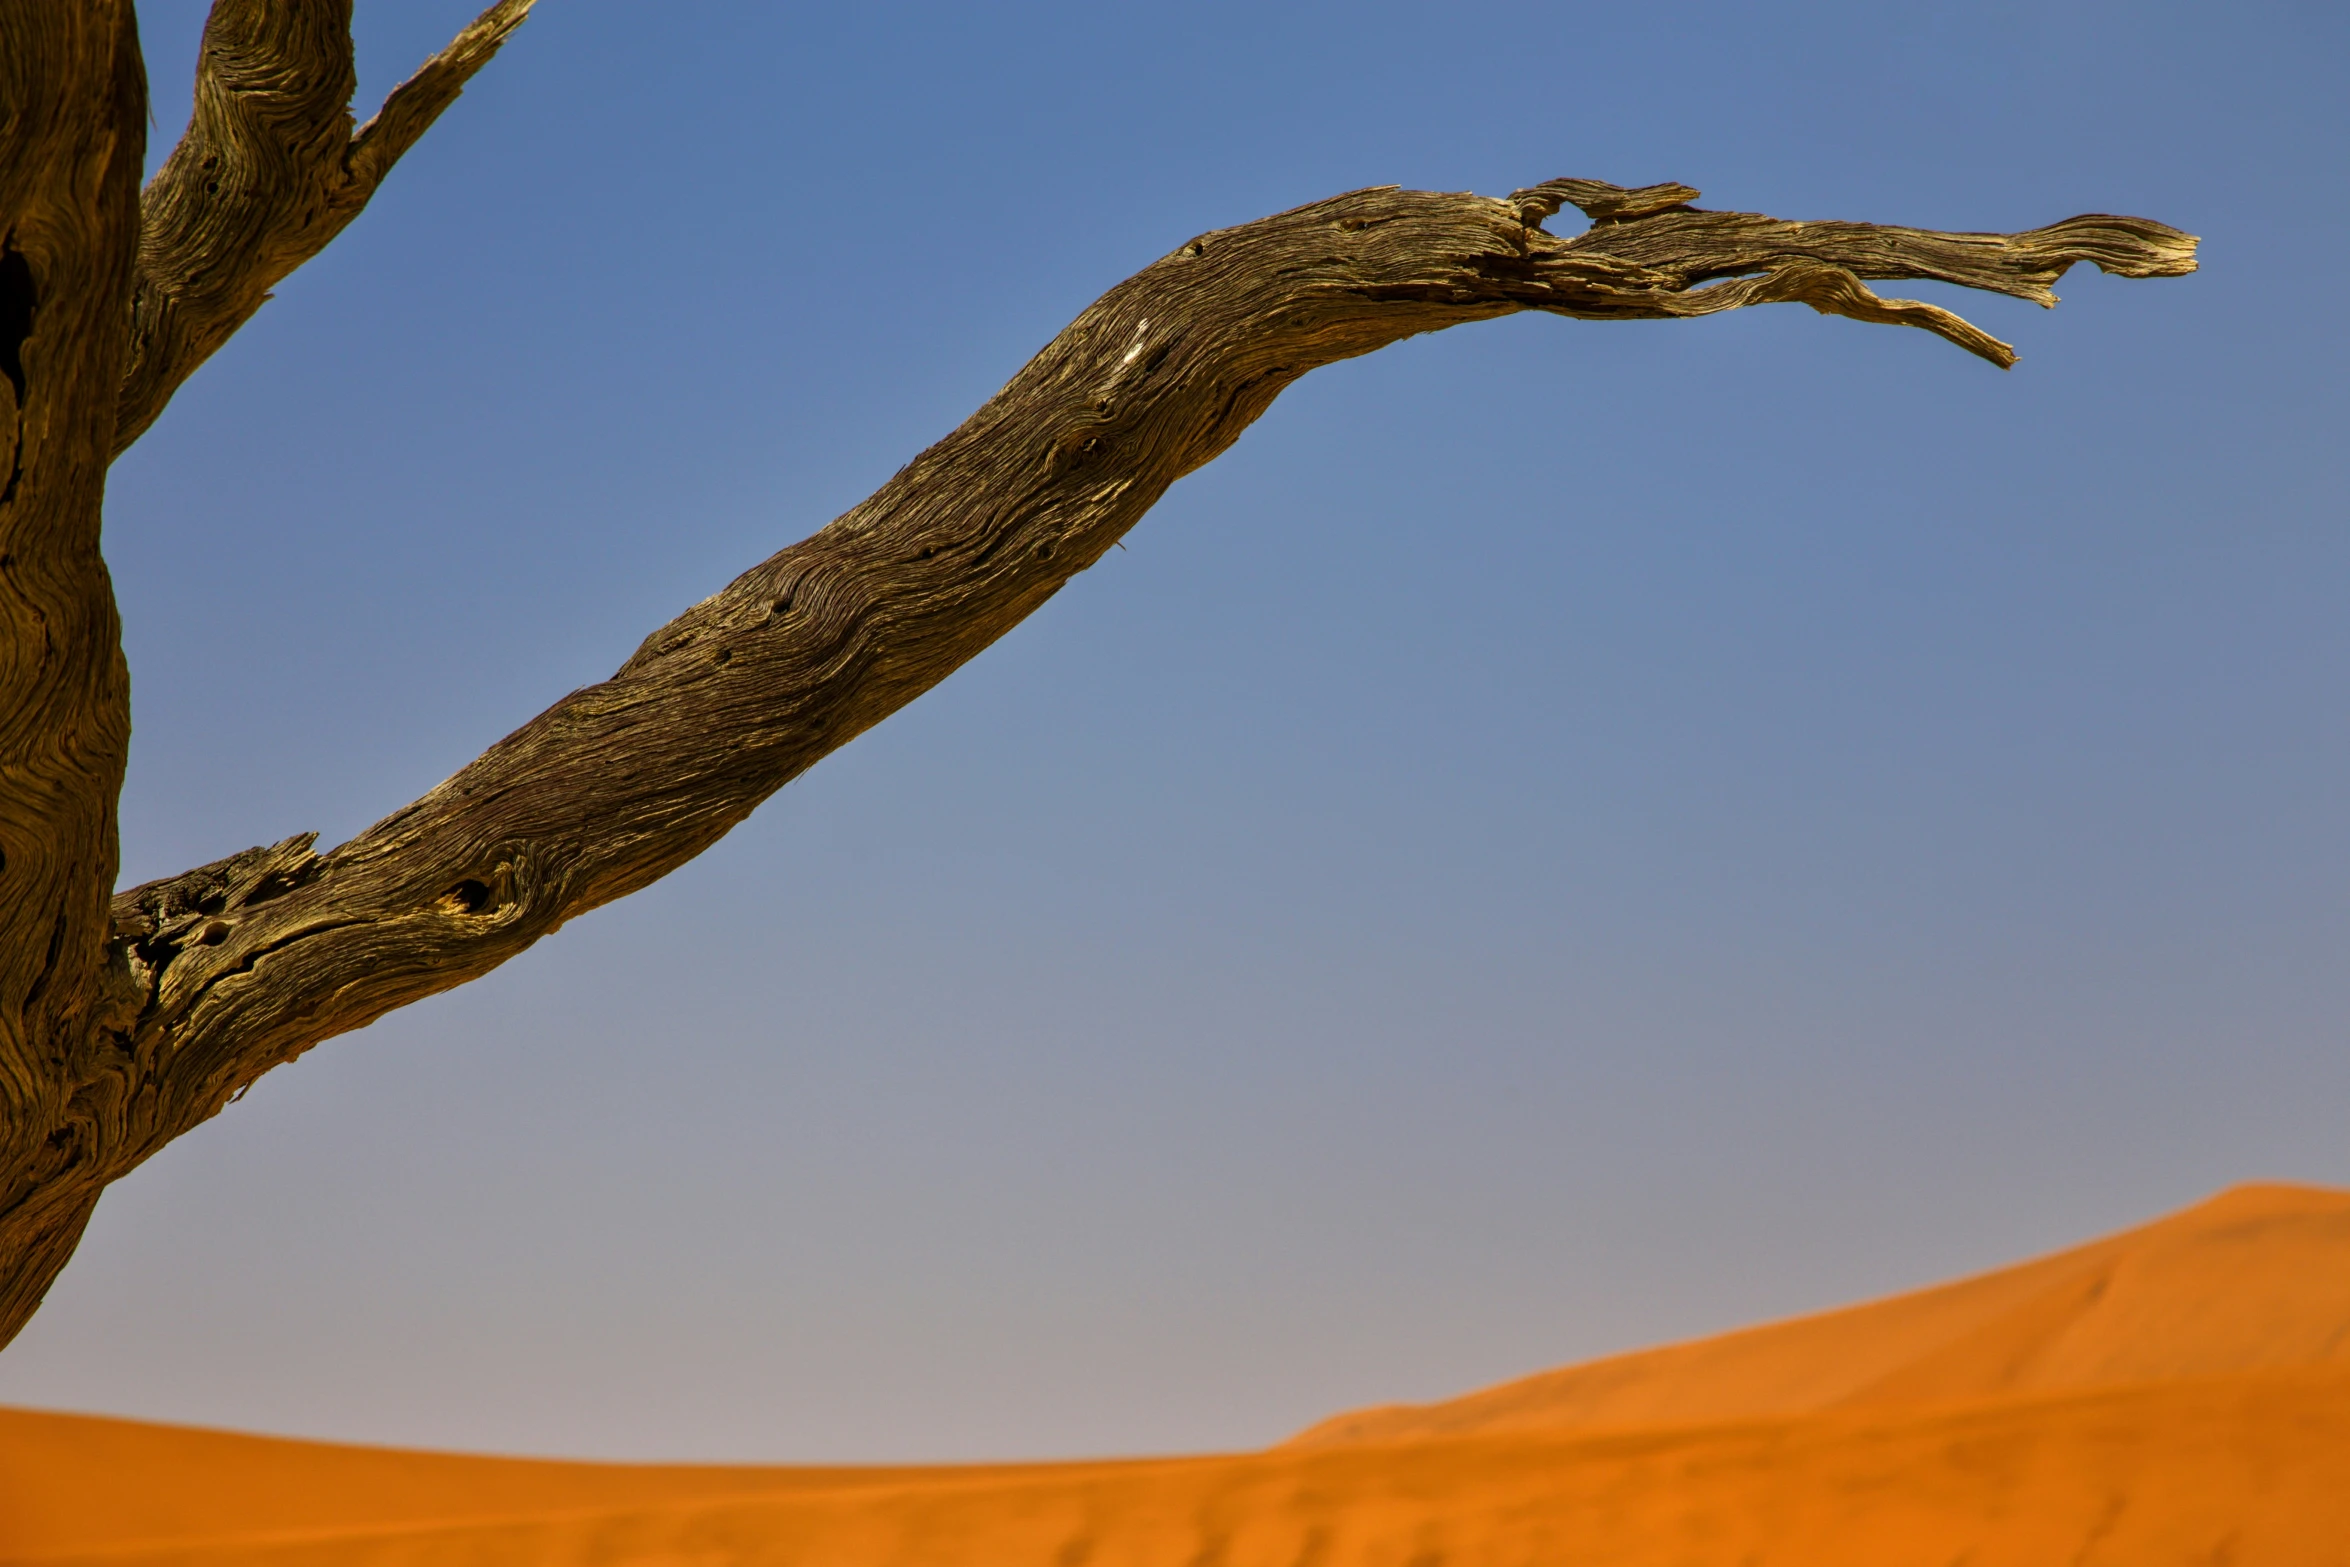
(268, 173)
(227, 971)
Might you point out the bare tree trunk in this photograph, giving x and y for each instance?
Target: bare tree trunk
(124, 1036)
(71, 145)
(108, 301)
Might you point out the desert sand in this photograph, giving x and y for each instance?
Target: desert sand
(2179, 1393)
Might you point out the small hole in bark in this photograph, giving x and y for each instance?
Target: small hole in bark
(928, 550)
(1196, 248)
(214, 934)
(781, 606)
(1044, 552)
(60, 1137)
(213, 904)
(722, 655)
(467, 897)
(19, 297)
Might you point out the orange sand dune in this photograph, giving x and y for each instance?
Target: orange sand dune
(2178, 1394)
(2256, 1279)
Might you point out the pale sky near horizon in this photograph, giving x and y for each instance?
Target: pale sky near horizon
(1568, 836)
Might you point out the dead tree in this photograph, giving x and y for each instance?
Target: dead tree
(128, 1018)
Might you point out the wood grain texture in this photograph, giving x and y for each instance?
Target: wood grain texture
(72, 137)
(215, 976)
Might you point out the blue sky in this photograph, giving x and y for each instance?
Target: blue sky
(1567, 836)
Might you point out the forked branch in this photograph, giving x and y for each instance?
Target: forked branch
(1824, 264)
(268, 173)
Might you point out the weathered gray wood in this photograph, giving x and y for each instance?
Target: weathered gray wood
(215, 976)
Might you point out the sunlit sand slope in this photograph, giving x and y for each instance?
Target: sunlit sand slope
(2249, 1472)
(2211, 1424)
(2257, 1279)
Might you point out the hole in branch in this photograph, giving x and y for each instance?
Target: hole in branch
(214, 934)
(467, 897)
(18, 298)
